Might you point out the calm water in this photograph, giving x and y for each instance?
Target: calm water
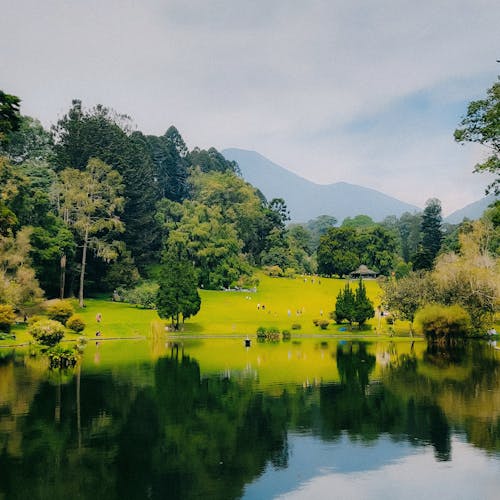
(211, 419)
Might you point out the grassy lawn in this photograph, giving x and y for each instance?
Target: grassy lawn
(282, 302)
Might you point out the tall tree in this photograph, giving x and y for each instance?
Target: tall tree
(101, 133)
(481, 125)
(10, 118)
(177, 295)
(432, 235)
(363, 307)
(169, 156)
(90, 201)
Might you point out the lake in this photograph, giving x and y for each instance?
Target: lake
(211, 419)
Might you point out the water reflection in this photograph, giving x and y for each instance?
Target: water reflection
(166, 429)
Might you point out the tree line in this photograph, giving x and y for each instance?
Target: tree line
(94, 205)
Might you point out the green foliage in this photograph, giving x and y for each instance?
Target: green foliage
(270, 334)
(404, 296)
(18, 284)
(353, 306)
(143, 295)
(345, 306)
(432, 235)
(273, 271)
(481, 125)
(359, 221)
(90, 201)
(7, 317)
(60, 310)
(177, 295)
(296, 326)
(443, 324)
(101, 133)
(363, 306)
(10, 118)
(286, 335)
(47, 332)
(75, 323)
(342, 250)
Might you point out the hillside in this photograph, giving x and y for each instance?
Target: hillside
(472, 211)
(307, 200)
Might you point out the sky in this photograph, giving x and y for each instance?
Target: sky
(367, 92)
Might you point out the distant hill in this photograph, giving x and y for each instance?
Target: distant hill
(307, 200)
(473, 211)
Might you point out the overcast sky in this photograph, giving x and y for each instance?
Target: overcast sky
(367, 92)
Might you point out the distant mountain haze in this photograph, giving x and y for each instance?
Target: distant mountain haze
(472, 211)
(307, 200)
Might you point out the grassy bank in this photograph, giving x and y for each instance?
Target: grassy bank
(278, 302)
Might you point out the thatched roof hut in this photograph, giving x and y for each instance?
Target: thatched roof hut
(363, 272)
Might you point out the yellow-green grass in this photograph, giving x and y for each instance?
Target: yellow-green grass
(286, 302)
(278, 302)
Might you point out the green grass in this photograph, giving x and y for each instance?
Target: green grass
(232, 313)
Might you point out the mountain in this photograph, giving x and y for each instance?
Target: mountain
(307, 200)
(473, 211)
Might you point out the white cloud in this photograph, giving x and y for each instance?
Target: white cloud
(286, 78)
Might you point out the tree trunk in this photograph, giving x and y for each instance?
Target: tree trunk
(63, 275)
(82, 272)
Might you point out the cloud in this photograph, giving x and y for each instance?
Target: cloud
(329, 89)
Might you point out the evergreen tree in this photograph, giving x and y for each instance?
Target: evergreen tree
(101, 133)
(363, 308)
(432, 235)
(178, 295)
(345, 307)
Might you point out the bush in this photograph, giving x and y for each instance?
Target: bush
(47, 332)
(143, 295)
(273, 271)
(443, 324)
(271, 334)
(76, 323)
(33, 319)
(7, 317)
(286, 335)
(322, 323)
(60, 310)
(296, 326)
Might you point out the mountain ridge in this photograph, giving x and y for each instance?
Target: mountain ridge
(306, 200)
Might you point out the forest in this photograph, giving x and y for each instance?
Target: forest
(94, 206)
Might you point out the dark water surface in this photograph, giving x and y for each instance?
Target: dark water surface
(212, 420)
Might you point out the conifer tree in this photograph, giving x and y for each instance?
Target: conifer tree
(363, 308)
(178, 295)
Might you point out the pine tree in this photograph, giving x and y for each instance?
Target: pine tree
(432, 235)
(363, 308)
(178, 295)
(345, 305)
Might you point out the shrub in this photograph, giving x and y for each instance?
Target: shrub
(143, 295)
(273, 271)
(323, 323)
(261, 332)
(7, 317)
(47, 332)
(76, 323)
(296, 326)
(286, 335)
(33, 319)
(443, 323)
(60, 310)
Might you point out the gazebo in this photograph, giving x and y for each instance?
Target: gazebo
(363, 272)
